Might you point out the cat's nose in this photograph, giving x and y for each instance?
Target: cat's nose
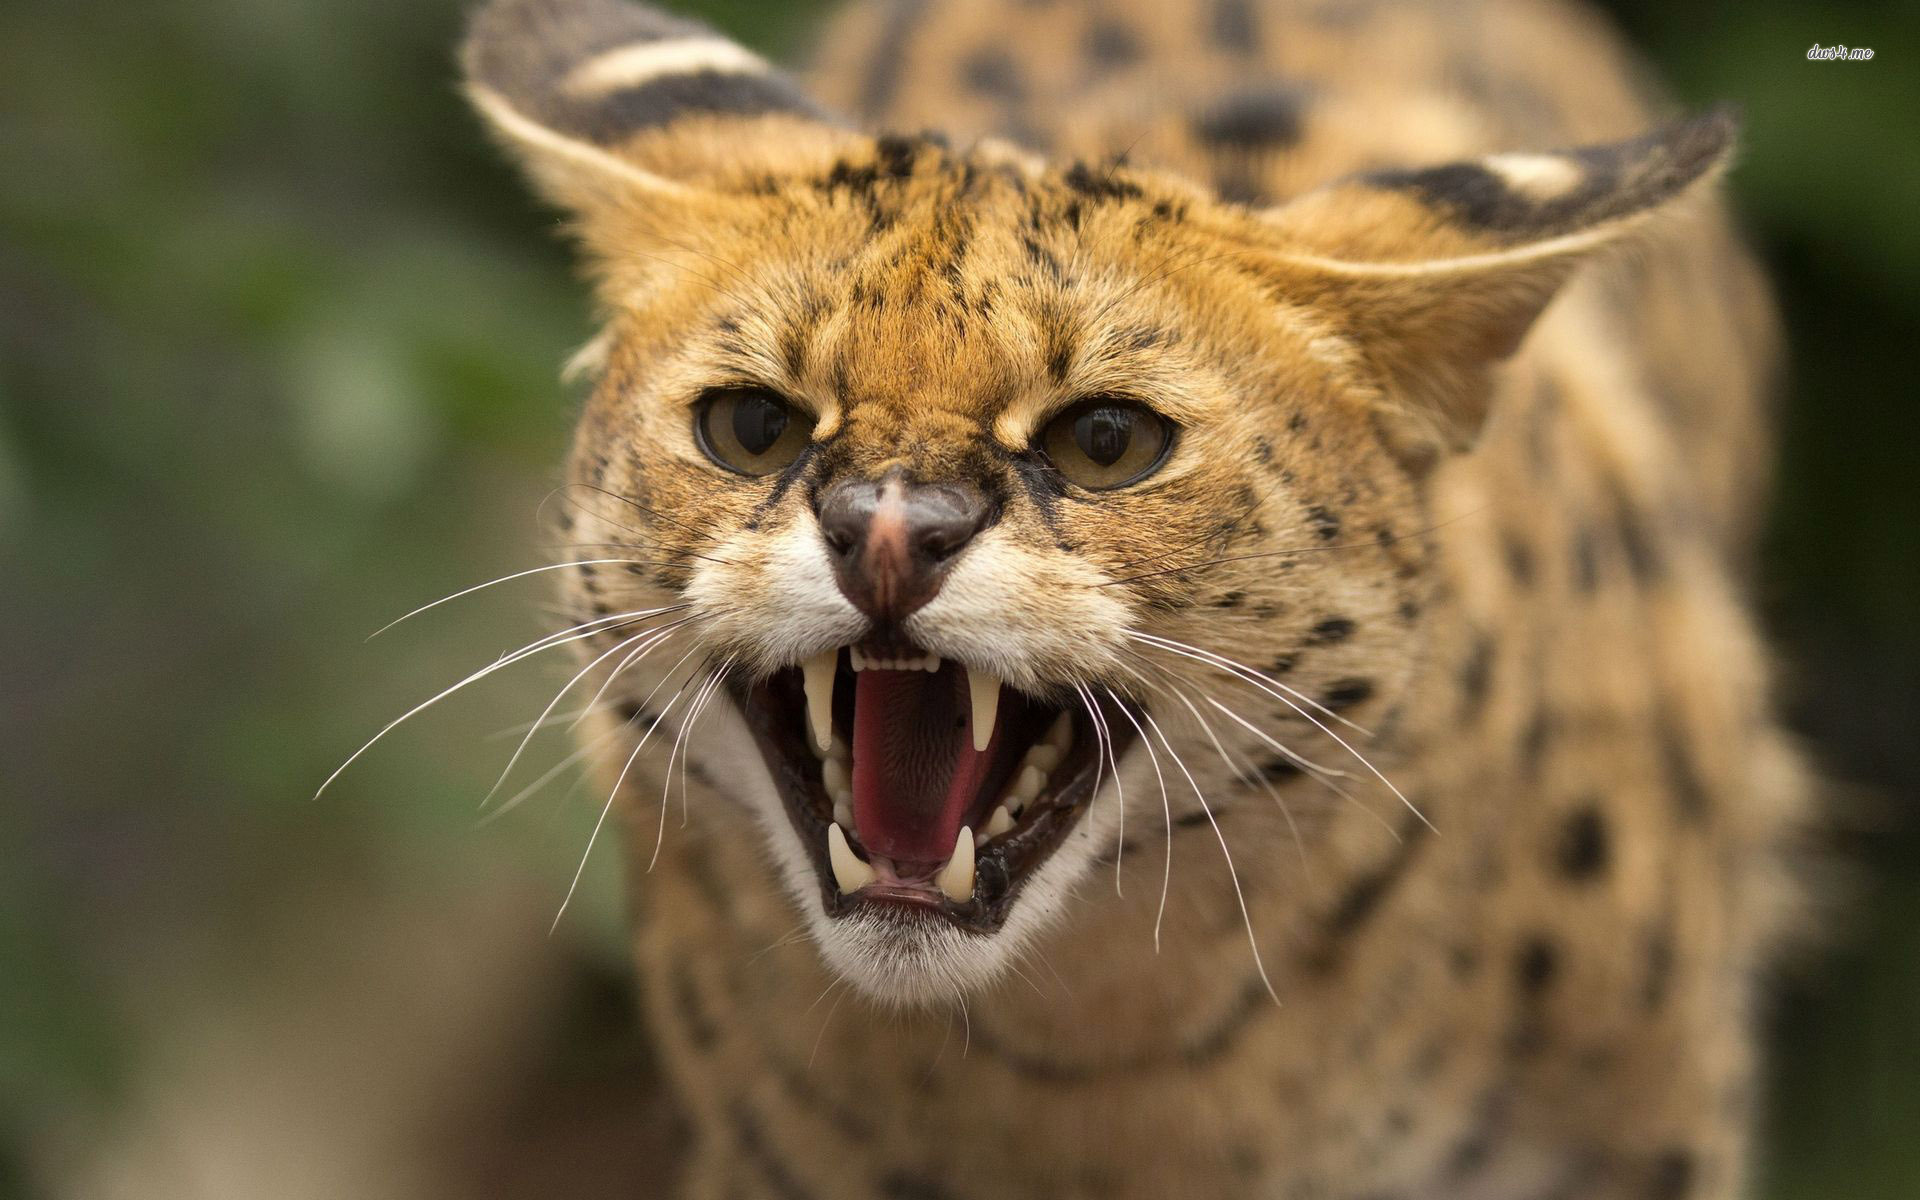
(891, 540)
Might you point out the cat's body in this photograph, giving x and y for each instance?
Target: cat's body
(1529, 972)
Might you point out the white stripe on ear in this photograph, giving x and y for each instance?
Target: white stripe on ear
(541, 140)
(643, 62)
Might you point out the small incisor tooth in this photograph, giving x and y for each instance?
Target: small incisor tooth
(835, 775)
(986, 705)
(817, 673)
(998, 823)
(956, 878)
(852, 874)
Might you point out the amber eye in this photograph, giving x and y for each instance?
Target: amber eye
(1106, 443)
(750, 430)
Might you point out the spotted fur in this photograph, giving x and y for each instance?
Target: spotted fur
(1503, 538)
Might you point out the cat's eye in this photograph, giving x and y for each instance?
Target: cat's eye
(1106, 443)
(750, 430)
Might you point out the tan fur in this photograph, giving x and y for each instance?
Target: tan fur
(1518, 572)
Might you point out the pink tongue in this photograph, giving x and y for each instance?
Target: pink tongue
(915, 771)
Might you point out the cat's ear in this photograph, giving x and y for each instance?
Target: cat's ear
(617, 108)
(1435, 275)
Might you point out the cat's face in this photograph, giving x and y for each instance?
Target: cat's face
(1052, 421)
(962, 483)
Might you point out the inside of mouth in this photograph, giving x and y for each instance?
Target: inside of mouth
(917, 774)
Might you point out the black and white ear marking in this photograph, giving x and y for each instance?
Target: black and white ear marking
(1528, 196)
(597, 74)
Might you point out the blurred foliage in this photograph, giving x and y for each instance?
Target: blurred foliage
(278, 336)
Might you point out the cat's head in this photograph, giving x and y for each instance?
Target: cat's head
(971, 477)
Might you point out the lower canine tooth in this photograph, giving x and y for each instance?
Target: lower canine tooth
(817, 675)
(852, 874)
(986, 705)
(956, 878)
(998, 823)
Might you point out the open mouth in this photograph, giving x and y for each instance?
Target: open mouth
(920, 787)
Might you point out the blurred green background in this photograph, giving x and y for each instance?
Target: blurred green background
(278, 340)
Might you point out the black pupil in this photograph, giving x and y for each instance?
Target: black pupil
(1103, 433)
(758, 423)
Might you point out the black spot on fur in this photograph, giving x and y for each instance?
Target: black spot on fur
(991, 71)
(691, 1010)
(1519, 557)
(1111, 44)
(1533, 743)
(1585, 847)
(1231, 600)
(1347, 693)
(895, 155)
(1536, 965)
(1279, 770)
(1586, 560)
(1099, 185)
(1672, 1176)
(1363, 898)
(1230, 26)
(1325, 524)
(1658, 976)
(1267, 118)
(1690, 798)
(1330, 631)
(751, 1140)
(1643, 556)
(1281, 665)
(1476, 676)
(909, 1185)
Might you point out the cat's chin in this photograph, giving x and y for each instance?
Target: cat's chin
(926, 800)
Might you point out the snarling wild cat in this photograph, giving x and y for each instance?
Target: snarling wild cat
(1192, 615)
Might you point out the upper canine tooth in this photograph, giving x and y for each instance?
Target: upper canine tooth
(1044, 756)
(956, 878)
(852, 874)
(986, 705)
(818, 676)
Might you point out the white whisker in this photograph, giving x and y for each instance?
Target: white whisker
(591, 562)
(1232, 874)
(1166, 809)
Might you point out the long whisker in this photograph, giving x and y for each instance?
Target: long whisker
(1264, 682)
(520, 796)
(591, 562)
(606, 808)
(548, 642)
(639, 652)
(655, 634)
(1228, 759)
(1232, 874)
(1202, 656)
(1166, 808)
(686, 723)
(1103, 740)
